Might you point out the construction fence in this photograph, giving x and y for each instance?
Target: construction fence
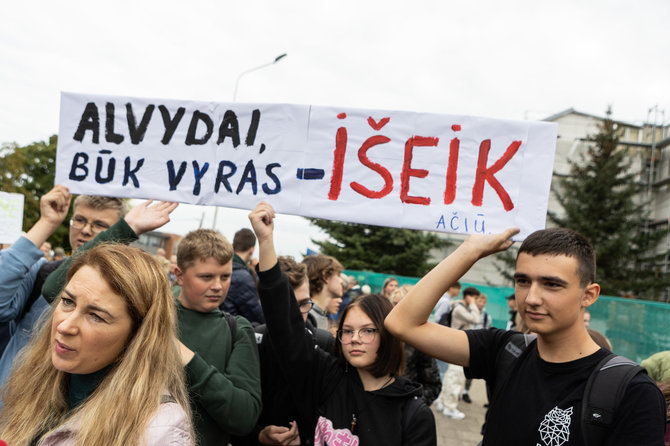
(635, 328)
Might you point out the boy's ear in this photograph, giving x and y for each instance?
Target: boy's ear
(591, 293)
(179, 273)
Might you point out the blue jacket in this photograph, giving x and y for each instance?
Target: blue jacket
(242, 298)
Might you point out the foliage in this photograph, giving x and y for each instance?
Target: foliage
(374, 248)
(602, 199)
(30, 170)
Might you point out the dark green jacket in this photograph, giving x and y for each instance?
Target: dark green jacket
(223, 380)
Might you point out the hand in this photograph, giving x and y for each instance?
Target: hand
(54, 205)
(485, 245)
(185, 353)
(145, 217)
(262, 220)
(280, 435)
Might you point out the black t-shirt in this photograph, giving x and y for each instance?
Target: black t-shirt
(540, 404)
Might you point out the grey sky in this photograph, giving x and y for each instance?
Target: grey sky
(514, 59)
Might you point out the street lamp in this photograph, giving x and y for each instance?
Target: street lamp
(237, 82)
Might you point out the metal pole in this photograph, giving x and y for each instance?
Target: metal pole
(237, 83)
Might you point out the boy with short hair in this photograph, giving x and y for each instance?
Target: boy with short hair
(540, 401)
(220, 357)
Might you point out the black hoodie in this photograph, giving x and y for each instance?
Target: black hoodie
(329, 391)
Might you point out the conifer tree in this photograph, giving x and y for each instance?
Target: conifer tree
(604, 199)
(403, 252)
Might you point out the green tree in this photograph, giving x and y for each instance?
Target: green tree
(374, 248)
(602, 199)
(30, 170)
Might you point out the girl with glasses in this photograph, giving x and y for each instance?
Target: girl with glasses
(356, 395)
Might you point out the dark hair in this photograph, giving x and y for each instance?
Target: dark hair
(471, 291)
(456, 284)
(561, 241)
(391, 355)
(296, 272)
(244, 240)
(319, 269)
(600, 339)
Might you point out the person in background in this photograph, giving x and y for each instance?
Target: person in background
(658, 366)
(324, 286)
(356, 395)
(587, 318)
(484, 322)
(105, 370)
(46, 249)
(389, 287)
(59, 254)
(242, 298)
(513, 320)
(419, 367)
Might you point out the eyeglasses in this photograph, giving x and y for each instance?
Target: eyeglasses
(81, 222)
(366, 335)
(305, 306)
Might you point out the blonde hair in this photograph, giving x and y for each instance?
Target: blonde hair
(118, 411)
(101, 203)
(200, 245)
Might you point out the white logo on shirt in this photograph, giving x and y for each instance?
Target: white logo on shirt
(555, 428)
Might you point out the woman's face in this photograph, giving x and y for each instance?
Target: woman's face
(357, 353)
(390, 288)
(90, 326)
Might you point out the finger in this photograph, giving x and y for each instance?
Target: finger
(509, 233)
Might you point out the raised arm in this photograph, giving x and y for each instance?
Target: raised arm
(53, 209)
(409, 319)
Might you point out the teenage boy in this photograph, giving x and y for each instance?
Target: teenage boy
(540, 402)
(325, 287)
(25, 295)
(221, 357)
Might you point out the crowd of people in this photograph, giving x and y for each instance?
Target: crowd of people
(114, 346)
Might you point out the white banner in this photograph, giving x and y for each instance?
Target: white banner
(448, 173)
(11, 217)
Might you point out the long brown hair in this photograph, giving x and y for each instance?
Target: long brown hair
(118, 411)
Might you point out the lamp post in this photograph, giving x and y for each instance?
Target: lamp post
(237, 83)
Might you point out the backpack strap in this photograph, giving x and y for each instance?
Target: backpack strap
(232, 324)
(603, 393)
(507, 356)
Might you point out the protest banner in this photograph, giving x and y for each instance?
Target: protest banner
(11, 217)
(448, 173)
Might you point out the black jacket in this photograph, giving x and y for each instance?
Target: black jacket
(328, 391)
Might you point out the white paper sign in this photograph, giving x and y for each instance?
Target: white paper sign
(11, 217)
(448, 173)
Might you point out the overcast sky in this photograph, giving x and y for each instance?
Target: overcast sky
(512, 59)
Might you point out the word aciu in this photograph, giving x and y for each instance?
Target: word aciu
(228, 128)
(484, 173)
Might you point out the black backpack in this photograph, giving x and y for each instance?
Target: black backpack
(445, 319)
(603, 393)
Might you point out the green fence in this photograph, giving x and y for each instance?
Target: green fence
(635, 328)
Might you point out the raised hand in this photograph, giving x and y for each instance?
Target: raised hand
(53, 209)
(262, 220)
(485, 245)
(146, 217)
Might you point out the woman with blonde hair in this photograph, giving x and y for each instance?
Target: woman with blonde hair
(104, 369)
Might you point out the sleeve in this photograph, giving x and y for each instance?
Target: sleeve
(169, 427)
(421, 430)
(641, 416)
(311, 372)
(120, 232)
(19, 265)
(464, 316)
(231, 398)
(484, 346)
